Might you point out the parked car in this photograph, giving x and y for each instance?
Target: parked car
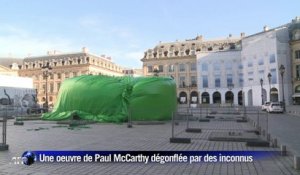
(265, 106)
(36, 110)
(275, 107)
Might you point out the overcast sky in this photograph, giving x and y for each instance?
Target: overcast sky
(125, 29)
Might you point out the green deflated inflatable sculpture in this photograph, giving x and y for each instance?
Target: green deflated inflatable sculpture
(113, 99)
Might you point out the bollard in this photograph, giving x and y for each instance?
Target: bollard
(283, 150)
(274, 142)
(129, 123)
(3, 145)
(268, 137)
(263, 132)
(297, 162)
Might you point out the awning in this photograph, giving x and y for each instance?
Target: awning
(296, 95)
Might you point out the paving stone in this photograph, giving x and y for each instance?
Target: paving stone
(140, 137)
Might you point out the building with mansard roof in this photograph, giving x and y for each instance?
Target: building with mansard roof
(232, 71)
(178, 60)
(10, 66)
(65, 66)
(294, 34)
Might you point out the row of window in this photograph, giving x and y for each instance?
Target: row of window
(58, 75)
(50, 88)
(108, 65)
(229, 78)
(229, 65)
(172, 52)
(182, 82)
(50, 99)
(171, 68)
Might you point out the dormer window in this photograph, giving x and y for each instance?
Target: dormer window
(176, 53)
(166, 53)
(187, 52)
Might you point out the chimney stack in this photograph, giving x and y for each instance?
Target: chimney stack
(266, 28)
(199, 37)
(85, 50)
(242, 35)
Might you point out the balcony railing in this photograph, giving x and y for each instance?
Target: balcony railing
(184, 86)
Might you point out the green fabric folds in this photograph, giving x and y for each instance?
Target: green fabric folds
(114, 99)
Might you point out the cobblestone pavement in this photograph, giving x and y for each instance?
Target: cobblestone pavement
(42, 135)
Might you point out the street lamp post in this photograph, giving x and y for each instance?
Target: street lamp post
(269, 78)
(47, 70)
(189, 95)
(261, 85)
(282, 70)
(189, 103)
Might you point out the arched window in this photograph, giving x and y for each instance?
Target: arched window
(274, 94)
(229, 97)
(217, 97)
(205, 98)
(194, 97)
(182, 97)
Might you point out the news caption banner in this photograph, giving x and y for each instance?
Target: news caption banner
(145, 157)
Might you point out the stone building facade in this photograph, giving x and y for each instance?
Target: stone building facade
(243, 64)
(294, 33)
(132, 72)
(220, 77)
(65, 66)
(178, 60)
(262, 54)
(235, 76)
